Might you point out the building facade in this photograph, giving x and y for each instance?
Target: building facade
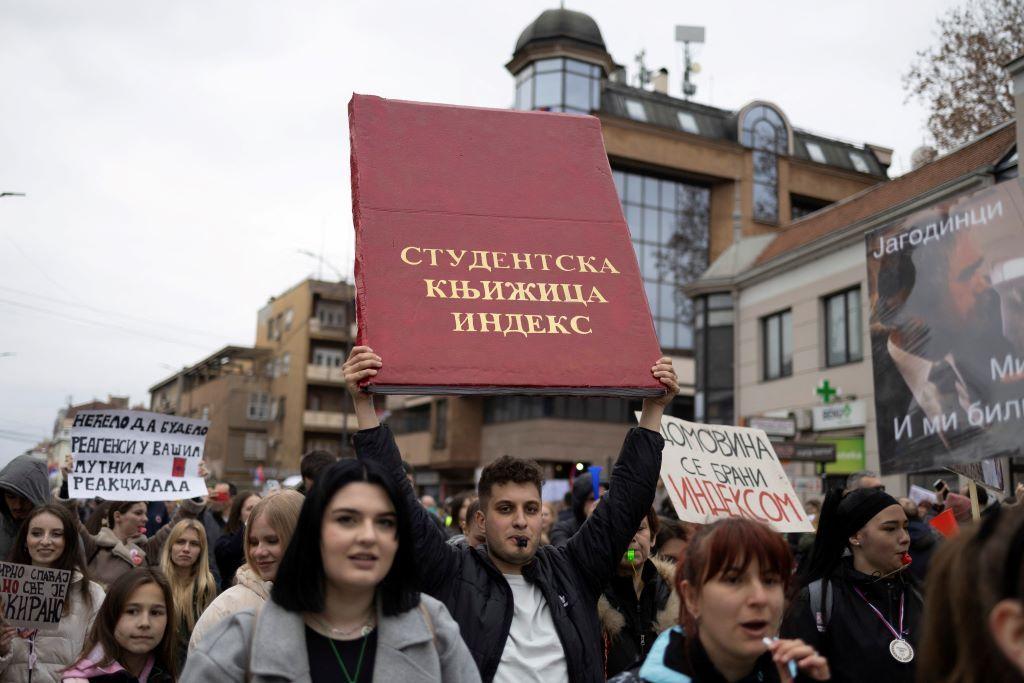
(791, 315)
(690, 177)
(285, 396)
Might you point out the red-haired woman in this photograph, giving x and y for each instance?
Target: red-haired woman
(732, 582)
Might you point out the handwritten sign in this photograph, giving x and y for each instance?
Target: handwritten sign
(136, 455)
(33, 597)
(715, 471)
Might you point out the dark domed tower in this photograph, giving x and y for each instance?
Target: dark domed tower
(559, 62)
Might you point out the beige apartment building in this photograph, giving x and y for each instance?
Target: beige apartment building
(793, 311)
(270, 403)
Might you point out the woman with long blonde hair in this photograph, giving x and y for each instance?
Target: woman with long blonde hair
(185, 562)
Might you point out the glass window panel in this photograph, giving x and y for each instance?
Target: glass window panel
(650, 191)
(667, 333)
(651, 289)
(766, 168)
(548, 91)
(620, 184)
(635, 221)
(668, 300)
(668, 195)
(636, 110)
(548, 64)
(859, 162)
(524, 95)
(855, 337)
(720, 301)
(651, 224)
(835, 314)
(595, 94)
(787, 343)
(652, 265)
(595, 72)
(684, 337)
(669, 225)
(771, 347)
(688, 122)
(577, 91)
(815, 151)
(638, 248)
(766, 203)
(528, 71)
(633, 188)
(578, 67)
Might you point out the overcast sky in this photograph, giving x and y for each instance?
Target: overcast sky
(177, 155)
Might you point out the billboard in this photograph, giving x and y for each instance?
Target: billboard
(946, 288)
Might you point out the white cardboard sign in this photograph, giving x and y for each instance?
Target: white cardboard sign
(136, 455)
(32, 597)
(715, 471)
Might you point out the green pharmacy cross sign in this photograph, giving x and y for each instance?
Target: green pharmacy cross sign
(826, 391)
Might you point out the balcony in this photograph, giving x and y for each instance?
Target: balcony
(323, 421)
(324, 374)
(318, 330)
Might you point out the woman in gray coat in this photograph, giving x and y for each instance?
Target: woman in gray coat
(343, 606)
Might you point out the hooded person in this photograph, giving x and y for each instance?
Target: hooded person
(25, 485)
(582, 504)
(856, 603)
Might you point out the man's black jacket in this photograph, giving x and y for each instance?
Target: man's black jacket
(571, 578)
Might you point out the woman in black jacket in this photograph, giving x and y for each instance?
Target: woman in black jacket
(860, 608)
(638, 603)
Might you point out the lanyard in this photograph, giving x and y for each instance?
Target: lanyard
(900, 634)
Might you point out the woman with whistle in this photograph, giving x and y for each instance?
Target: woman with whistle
(731, 581)
(856, 604)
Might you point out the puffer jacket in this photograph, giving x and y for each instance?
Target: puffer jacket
(631, 625)
(24, 476)
(54, 650)
(86, 670)
(570, 578)
(249, 592)
(107, 557)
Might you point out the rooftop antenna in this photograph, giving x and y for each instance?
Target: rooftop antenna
(643, 74)
(687, 35)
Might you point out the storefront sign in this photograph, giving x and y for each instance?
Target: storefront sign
(849, 455)
(839, 416)
(805, 451)
(774, 426)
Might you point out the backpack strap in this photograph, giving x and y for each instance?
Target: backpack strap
(820, 602)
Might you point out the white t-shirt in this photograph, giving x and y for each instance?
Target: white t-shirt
(533, 651)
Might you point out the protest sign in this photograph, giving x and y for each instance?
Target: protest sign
(492, 255)
(715, 471)
(947, 332)
(136, 455)
(32, 597)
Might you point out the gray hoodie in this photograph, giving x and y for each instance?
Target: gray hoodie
(24, 476)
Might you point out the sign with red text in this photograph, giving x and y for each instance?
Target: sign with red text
(136, 455)
(947, 333)
(32, 597)
(492, 255)
(715, 471)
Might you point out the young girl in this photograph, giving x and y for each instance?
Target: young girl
(344, 605)
(268, 530)
(130, 641)
(732, 582)
(185, 562)
(48, 539)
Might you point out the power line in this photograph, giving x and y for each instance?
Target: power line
(96, 323)
(177, 328)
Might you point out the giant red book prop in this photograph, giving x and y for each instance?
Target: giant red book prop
(492, 255)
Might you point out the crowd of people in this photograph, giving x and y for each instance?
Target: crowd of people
(354, 577)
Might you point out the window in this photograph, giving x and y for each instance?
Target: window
(331, 315)
(259, 406)
(859, 162)
(559, 84)
(815, 152)
(255, 446)
(636, 110)
(688, 122)
(441, 424)
(288, 316)
(764, 131)
(668, 224)
(777, 336)
(284, 364)
(843, 334)
(329, 357)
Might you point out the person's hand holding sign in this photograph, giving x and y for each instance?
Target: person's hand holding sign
(650, 417)
(7, 634)
(362, 364)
